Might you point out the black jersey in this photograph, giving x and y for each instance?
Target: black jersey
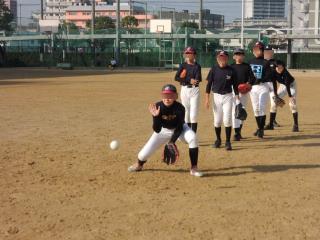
(243, 72)
(286, 79)
(261, 70)
(193, 71)
(171, 117)
(222, 80)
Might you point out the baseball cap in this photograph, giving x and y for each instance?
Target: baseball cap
(238, 51)
(259, 45)
(222, 53)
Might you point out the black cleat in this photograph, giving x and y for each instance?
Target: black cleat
(295, 128)
(217, 144)
(228, 146)
(237, 137)
(268, 127)
(260, 133)
(275, 124)
(256, 133)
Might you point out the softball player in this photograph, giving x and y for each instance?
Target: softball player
(268, 55)
(168, 125)
(244, 74)
(287, 85)
(260, 89)
(221, 79)
(189, 76)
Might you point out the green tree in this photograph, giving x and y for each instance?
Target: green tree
(101, 23)
(129, 23)
(190, 25)
(70, 26)
(5, 17)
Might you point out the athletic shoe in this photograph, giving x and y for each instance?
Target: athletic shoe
(217, 144)
(237, 137)
(228, 146)
(256, 133)
(195, 172)
(135, 168)
(268, 127)
(275, 124)
(260, 133)
(295, 128)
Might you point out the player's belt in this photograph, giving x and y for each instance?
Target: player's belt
(191, 86)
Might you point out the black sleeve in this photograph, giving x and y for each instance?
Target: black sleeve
(252, 78)
(157, 124)
(198, 74)
(178, 130)
(288, 80)
(210, 81)
(177, 77)
(270, 75)
(234, 82)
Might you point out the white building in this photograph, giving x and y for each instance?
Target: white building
(261, 9)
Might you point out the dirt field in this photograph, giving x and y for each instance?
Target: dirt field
(60, 180)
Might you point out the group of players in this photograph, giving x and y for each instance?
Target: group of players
(173, 120)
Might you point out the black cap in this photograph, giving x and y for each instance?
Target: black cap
(222, 53)
(238, 51)
(268, 47)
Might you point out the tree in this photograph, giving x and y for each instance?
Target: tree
(70, 26)
(189, 25)
(129, 23)
(101, 23)
(5, 17)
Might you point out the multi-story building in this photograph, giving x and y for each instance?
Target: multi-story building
(79, 14)
(264, 9)
(305, 20)
(209, 20)
(12, 5)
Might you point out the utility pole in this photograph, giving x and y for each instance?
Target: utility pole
(93, 48)
(242, 23)
(200, 14)
(117, 50)
(41, 9)
(289, 53)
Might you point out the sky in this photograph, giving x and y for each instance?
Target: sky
(231, 9)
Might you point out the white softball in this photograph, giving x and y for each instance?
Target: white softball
(114, 145)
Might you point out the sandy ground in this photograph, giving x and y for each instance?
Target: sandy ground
(60, 180)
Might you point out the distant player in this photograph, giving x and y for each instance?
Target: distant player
(268, 55)
(221, 81)
(244, 74)
(287, 85)
(260, 88)
(168, 125)
(189, 76)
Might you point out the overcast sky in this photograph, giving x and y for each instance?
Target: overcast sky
(231, 9)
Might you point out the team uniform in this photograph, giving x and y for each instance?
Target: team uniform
(244, 74)
(287, 85)
(168, 127)
(222, 82)
(260, 89)
(190, 94)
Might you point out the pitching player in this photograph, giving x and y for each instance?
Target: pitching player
(169, 126)
(268, 55)
(244, 74)
(260, 88)
(287, 85)
(189, 76)
(221, 80)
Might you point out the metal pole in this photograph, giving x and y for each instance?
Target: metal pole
(117, 52)
(200, 15)
(242, 22)
(145, 28)
(93, 48)
(289, 53)
(41, 9)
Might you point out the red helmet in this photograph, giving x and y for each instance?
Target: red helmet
(259, 45)
(189, 50)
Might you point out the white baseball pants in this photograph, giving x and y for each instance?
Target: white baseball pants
(259, 95)
(282, 91)
(222, 109)
(190, 99)
(157, 139)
